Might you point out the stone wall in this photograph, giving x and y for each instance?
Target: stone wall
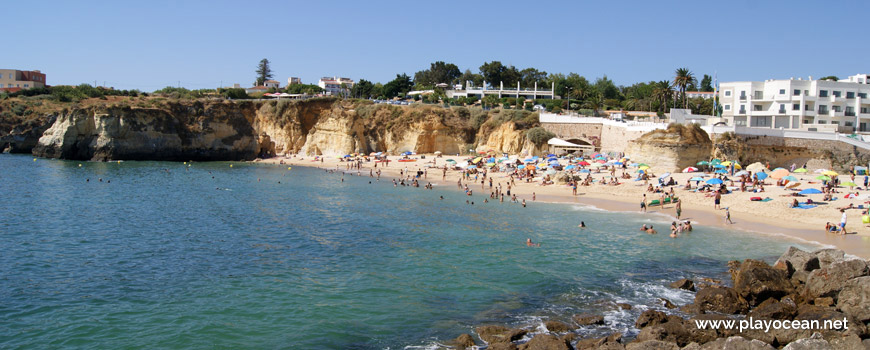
(782, 152)
(617, 139)
(571, 130)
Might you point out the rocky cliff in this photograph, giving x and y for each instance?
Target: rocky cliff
(672, 149)
(157, 129)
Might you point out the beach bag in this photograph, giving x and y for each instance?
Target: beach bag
(755, 199)
(865, 219)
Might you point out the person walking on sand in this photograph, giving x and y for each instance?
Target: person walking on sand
(728, 216)
(843, 222)
(643, 203)
(717, 200)
(679, 208)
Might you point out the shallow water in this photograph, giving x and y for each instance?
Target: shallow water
(166, 257)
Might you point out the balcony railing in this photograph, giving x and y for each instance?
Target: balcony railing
(743, 97)
(823, 111)
(742, 111)
(850, 114)
(781, 111)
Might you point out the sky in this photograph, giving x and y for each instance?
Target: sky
(149, 45)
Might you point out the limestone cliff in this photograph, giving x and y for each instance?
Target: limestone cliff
(672, 149)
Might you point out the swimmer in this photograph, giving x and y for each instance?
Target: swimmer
(524, 203)
(643, 228)
(442, 197)
(651, 230)
(530, 244)
(582, 225)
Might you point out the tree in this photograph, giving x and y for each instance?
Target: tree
(362, 89)
(530, 76)
(438, 72)
(263, 72)
(539, 136)
(683, 77)
(707, 83)
(595, 102)
(399, 86)
(475, 79)
(830, 77)
(606, 87)
(490, 100)
(663, 93)
(495, 73)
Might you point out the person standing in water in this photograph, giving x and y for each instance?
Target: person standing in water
(679, 208)
(728, 216)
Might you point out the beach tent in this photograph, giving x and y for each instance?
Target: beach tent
(810, 191)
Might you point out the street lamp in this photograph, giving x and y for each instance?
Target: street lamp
(568, 95)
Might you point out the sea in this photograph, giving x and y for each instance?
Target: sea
(235, 255)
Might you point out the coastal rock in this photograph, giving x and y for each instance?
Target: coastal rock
(828, 281)
(829, 256)
(736, 343)
(704, 335)
(814, 343)
(826, 301)
(612, 340)
(854, 298)
(672, 149)
(796, 260)
(499, 334)
(684, 283)
(671, 331)
(463, 342)
(756, 281)
(652, 345)
(848, 342)
(502, 346)
(771, 309)
(557, 327)
(720, 299)
(545, 342)
(667, 303)
(588, 319)
(650, 318)
(624, 306)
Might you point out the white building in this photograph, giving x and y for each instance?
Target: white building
(502, 91)
(333, 85)
(294, 80)
(271, 84)
(798, 104)
(701, 94)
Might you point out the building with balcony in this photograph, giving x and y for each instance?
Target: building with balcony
(701, 94)
(272, 84)
(501, 91)
(12, 80)
(294, 80)
(335, 85)
(798, 104)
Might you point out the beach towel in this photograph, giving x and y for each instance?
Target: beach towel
(806, 206)
(768, 199)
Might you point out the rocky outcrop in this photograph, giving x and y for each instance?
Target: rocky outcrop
(672, 149)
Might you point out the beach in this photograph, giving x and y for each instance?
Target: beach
(773, 217)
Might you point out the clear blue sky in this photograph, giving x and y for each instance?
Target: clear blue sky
(151, 44)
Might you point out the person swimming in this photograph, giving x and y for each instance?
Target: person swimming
(531, 244)
(643, 228)
(582, 225)
(651, 230)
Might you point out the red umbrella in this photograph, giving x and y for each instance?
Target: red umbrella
(583, 163)
(602, 161)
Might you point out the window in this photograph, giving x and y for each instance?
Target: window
(863, 109)
(728, 107)
(756, 108)
(837, 108)
(782, 91)
(727, 93)
(862, 94)
(25, 85)
(835, 123)
(838, 93)
(10, 76)
(823, 93)
(742, 109)
(850, 94)
(781, 108)
(850, 111)
(796, 107)
(807, 108)
(823, 109)
(797, 92)
(822, 122)
(848, 123)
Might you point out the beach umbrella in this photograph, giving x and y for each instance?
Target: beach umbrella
(634, 164)
(810, 191)
(793, 185)
(703, 162)
(779, 173)
(830, 173)
(584, 170)
(690, 169)
(696, 179)
(721, 171)
(551, 155)
(715, 161)
(756, 167)
(819, 171)
(664, 175)
(714, 181)
(643, 167)
(719, 166)
(601, 161)
(823, 178)
(570, 167)
(521, 166)
(481, 152)
(583, 163)
(471, 166)
(551, 172)
(737, 166)
(790, 178)
(450, 161)
(779, 168)
(741, 173)
(848, 184)
(726, 163)
(800, 170)
(760, 175)
(640, 171)
(618, 163)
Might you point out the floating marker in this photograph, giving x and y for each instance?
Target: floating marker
(34, 159)
(80, 165)
(119, 162)
(231, 165)
(185, 162)
(288, 168)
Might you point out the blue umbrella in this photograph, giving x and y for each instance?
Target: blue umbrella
(472, 166)
(790, 178)
(696, 179)
(551, 155)
(570, 167)
(634, 164)
(584, 170)
(714, 181)
(521, 167)
(721, 171)
(760, 176)
(719, 166)
(810, 191)
(618, 163)
(552, 159)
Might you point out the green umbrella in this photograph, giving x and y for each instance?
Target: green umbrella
(848, 184)
(703, 162)
(800, 170)
(823, 178)
(715, 161)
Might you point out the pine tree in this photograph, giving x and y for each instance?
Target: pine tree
(263, 72)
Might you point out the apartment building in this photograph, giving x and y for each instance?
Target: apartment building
(13, 80)
(798, 104)
(333, 85)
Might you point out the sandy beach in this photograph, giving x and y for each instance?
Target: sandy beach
(773, 217)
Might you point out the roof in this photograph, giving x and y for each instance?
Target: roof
(270, 81)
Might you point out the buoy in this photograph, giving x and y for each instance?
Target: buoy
(288, 168)
(231, 165)
(80, 165)
(185, 162)
(865, 219)
(34, 159)
(119, 162)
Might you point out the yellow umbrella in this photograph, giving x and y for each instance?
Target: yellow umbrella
(726, 163)
(830, 173)
(737, 166)
(643, 167)
(476, 160)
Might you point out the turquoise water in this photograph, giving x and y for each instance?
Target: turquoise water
(164, 257)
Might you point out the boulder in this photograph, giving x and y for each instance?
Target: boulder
(866, 343)
(720, 299)
(854, 298)
(756, 281)
(597, 343)
(588, 319)
(499, 334)
(813, 343)
(849, 342)
(709, 334)
(667, 303)
(799, 277)
(733, 265)
(684, 283)
(502, 346)
(795, 259)
(771, 309)
(826, 301)
(650, 318)
(829, 256)
(692, 346)
(652, 345)
(463, 341)
(828, 281)
(624, 306)
(737, 343)
(557, 326)
(545, 342)
(671, 331)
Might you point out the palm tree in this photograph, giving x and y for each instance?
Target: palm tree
(663, 92)
(683, 77)
(595, 101)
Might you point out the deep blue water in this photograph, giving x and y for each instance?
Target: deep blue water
(170, 256)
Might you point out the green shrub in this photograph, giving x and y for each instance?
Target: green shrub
(539, 135)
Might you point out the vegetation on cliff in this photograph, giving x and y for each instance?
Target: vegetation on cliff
(677, 134)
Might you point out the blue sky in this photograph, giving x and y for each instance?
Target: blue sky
(151, 44)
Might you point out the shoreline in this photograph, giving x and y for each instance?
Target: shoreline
(626, 198)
